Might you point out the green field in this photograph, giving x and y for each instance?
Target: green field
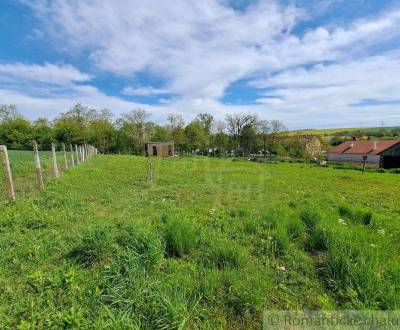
(208, 243)
(330, 131)
(23, 170)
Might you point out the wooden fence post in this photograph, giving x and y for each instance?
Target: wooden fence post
(55, 167)
(7, 172)
(82, 155)
(71, 148)
(39, 176)
(65, 156)
(77, 154)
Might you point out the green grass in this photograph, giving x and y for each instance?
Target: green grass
(209, 243)
(22, 166)
(329, 131)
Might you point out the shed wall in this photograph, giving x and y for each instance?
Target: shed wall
(354, 158)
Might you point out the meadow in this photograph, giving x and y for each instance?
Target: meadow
(206, 243)
(23, 170)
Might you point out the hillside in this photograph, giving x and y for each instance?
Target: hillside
(331, 131)
(208, 243)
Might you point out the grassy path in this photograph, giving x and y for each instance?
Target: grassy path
(210, 243)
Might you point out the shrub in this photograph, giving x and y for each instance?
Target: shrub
(144, 244)
(180, 237)
(93, 246)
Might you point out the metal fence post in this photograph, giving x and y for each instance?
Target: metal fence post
(7, 172)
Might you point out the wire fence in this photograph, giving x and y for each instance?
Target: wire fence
(26, 172)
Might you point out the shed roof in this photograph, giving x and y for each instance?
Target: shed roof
(363, 147)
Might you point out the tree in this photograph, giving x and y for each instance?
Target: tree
(176, 131)
(101, 131)
(197, 138)
(206, 121)
(248, 139)
(236, 123)
(43, 133)
(72, 126)
(265, 128)
(16, 133)
(135, 127)
(8, 112)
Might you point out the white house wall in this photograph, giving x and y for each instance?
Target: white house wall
(354, 158)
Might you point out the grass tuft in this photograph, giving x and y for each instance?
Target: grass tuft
(92, 248)
(180, 237)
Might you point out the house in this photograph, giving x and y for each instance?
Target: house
(386, 154)
(159, 149)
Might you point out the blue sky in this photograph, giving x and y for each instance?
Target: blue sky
(309, 63)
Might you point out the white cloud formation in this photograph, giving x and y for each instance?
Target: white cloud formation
(46, 73)
(144, 91)
(200, 47)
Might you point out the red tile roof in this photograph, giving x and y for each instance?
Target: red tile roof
(363, 147)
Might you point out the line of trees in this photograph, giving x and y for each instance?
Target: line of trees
(239, 134)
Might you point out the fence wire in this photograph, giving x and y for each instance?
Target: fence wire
(23, 169)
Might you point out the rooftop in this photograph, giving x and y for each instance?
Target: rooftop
(363, 147)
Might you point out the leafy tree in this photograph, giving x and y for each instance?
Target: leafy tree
(197, 137)
(43, 132)
(235, 125)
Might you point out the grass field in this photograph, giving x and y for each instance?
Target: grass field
(23, 170)
(208, 244)
(330, 131)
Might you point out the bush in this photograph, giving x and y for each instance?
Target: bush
(180, 237)
(93, 246)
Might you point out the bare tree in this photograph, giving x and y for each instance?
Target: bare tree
(8, 112)
(175, 120)
(135, 126)
(265, 128)
(236, 123)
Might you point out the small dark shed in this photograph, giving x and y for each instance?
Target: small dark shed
(159, 149)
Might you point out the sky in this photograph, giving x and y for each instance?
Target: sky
(309, 63)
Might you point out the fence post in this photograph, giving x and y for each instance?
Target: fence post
(81, 153)
(65, 156)
(7, 172)
(55, 167)
(72, 155)
(77, 155)
(39, 176)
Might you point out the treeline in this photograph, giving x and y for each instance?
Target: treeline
(238, 134)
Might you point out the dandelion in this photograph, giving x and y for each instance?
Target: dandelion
(281, 268)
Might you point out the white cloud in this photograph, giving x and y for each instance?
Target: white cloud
(46, 73)
(200, 47)
(144, 91)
